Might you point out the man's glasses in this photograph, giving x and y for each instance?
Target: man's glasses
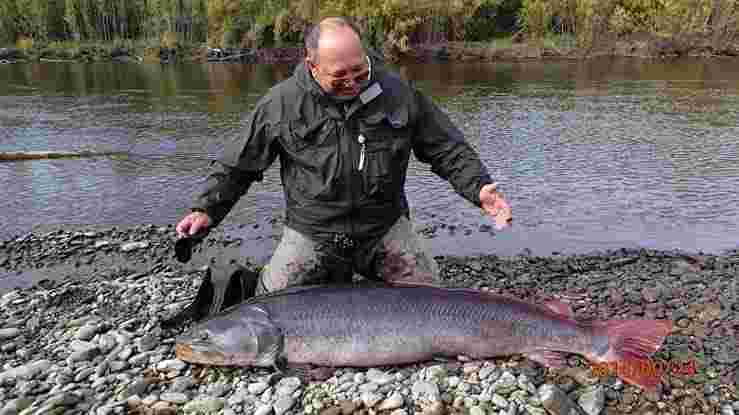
(346, 82)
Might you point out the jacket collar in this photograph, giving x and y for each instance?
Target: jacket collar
(305, 80)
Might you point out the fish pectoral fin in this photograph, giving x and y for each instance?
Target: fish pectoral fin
(310, 373)
(560, 307)
(549, 358)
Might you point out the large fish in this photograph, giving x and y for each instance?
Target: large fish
(386, 325)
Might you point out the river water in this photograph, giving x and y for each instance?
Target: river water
(593, 155)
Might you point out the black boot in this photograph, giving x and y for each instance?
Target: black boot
(223, 286)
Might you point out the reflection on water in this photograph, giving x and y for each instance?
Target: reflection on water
(592, 155)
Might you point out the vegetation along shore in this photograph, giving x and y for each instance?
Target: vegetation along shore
(273, 30)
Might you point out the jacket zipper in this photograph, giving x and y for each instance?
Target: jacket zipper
(361, 140)
(352, 176)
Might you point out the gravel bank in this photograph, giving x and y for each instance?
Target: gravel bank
(88, 341)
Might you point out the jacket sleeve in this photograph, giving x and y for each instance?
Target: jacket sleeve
(437, 141)
(246, 156)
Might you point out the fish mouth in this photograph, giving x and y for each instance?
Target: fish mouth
(199, 353)
(203, 353)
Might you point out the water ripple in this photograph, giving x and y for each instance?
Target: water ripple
(590, 159)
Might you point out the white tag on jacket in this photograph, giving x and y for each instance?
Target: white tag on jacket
(370, 93)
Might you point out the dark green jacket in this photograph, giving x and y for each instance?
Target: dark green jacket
(317, 142)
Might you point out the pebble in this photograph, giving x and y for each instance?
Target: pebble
(9, 333)
(126, 353)
(15, 406)
(425, 390)
(359, 378)
(505, 384)
(138, 387)
(84, 353)
(88, 331)
(370, 399)
(486, 371)
(207, 405)
(499, 401)
(368, 387)
(174, 397)
(379, 377)
(394, 401)
(117, 366)
(84, 374)
(218, 389)
(283, 404)
(433, 373)
(172, 364)
(148, 342)
(555, 400)
(287, 386)
(257, 388)
(27, 371)
(593, 400)
(263, 410)
(132, 246)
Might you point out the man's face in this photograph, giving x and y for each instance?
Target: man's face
(342, 64)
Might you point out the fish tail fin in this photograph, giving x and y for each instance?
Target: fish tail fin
(631, 343)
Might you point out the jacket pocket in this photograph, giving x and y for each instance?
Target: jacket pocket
(299, 135)
(312, 161)
(386, 151)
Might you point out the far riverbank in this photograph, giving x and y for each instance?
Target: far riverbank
(644, 46)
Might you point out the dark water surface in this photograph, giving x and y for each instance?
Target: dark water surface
(592, 155)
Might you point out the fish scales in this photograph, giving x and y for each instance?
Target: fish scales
(383, 325)
(397, 315)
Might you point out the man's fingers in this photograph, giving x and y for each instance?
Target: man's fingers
(195, 227)
(183, 227)
(192, 224)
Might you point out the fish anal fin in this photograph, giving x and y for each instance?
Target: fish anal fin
(549, 358)
(560, 307)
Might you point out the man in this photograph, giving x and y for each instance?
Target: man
(343, 128)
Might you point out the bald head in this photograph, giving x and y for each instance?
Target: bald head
(332, 35)
(336, 57)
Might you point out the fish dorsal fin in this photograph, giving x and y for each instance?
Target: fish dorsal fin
(560, 308)
(285, 291)
(300, 289)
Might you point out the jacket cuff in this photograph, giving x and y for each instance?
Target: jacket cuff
(475, 198)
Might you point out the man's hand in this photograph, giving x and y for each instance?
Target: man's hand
(495, 205)
(193, 223)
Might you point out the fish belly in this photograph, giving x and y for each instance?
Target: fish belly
(359, 350)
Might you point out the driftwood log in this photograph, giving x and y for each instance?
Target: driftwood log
(38, 155)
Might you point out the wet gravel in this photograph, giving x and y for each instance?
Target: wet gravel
(88, 340)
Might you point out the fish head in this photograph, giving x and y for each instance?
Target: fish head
(243, 337)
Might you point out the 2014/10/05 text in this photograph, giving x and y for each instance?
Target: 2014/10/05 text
(646, 367)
